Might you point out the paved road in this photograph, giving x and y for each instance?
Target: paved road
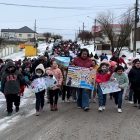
(70, 123)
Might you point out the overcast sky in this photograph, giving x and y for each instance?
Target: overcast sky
(65, 21)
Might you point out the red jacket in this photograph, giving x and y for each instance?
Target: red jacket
(87, 63)
(100, 78)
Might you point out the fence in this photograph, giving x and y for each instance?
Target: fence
(7, 50)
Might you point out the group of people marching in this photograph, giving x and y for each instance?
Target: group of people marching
(16, 75)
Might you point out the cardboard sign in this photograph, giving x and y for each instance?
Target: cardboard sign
(110, 87)
(80, 77)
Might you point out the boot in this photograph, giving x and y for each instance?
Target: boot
(17, 109)
(51, 107)
(55, 107)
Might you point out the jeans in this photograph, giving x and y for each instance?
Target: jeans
(118, 98)
(83, 98)
(39, 100)
(101, 96)
(10, 99)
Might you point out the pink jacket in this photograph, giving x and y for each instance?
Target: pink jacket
(56, 73)
(100, 78)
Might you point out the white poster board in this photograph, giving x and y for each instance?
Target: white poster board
(38, 85)
(110, 87)
(50, 81)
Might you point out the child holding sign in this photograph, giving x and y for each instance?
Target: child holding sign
(38, 86)
(122, 79)
(103, 75)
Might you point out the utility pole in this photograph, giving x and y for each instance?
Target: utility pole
(35, 31)
(94, 34)
(135, 28)
(35, 43)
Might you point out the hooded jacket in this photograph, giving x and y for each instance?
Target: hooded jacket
(41, 67)
(10, 81)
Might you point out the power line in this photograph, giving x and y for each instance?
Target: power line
(56, 29)
(41, 6)
(54, 7)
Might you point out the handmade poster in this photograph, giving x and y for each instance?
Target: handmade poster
(110, 87)
(50, 81)
(64, 61)
(38, 85)
(80, 77)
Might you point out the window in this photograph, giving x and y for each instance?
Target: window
(20, 35)
(29, 35)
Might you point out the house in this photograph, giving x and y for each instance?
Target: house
(24, 33)
(137, 38)
(97, 30)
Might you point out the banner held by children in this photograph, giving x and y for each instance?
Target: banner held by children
(80, 77)
(110, 87)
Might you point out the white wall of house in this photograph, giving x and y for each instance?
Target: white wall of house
(24, 35)
(8, 34)
(21, 36)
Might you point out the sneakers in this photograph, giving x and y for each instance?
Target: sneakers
(103, 107)
(131, 102)
(86, 108)
(94, 100)
(100, 109)
(37, 113)
(119, 110)
(79, 107)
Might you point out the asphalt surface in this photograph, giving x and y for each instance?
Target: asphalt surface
(71, 123)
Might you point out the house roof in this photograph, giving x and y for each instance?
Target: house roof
(24, 29)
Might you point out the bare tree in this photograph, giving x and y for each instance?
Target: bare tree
(116, 40)
(85, 36)
(47, 36)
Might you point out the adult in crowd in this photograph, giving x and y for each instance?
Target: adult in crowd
(83, 60)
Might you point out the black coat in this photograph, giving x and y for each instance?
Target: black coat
(134, 78)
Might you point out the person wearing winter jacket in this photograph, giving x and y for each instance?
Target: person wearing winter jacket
(54, 91)
(39, 74)
(103, 75)
(123, 82)
(10, 86)
(134, 78)
(83, 60)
